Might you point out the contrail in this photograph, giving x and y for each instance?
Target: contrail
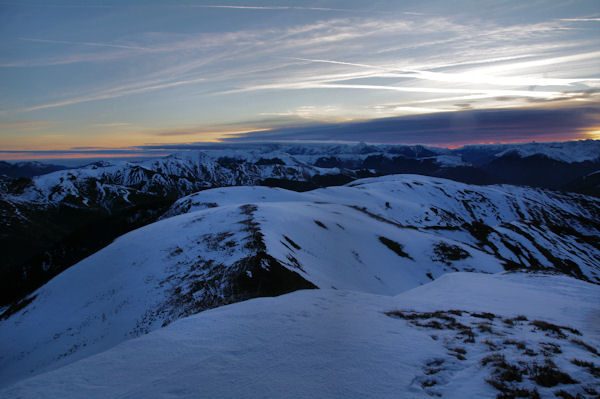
(268, 7)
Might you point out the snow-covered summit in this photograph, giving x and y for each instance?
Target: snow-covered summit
(380, 236)
(568, 151)
(463, 335)
(106, 183)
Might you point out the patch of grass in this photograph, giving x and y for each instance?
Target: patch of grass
(435, 362)
(448, 253)
(485, 327)
(448, 322)
(553, 328)
(394, 246)
(320, 224)
(428, 383)
(462, 351)
(458, 353)
(566, 395)
(175, 251)
(377, 217)
(456, 312)
(479, 231)
(292, 243)
(548, 375)
(592, 368)
(294, 262)
(529, 352)
(469, 336)
(512, 392)
(504, 375)
(590, 348)
(510, 322)
(431, 324)
(520, 393)
(484, 315)
(550, 348)
(510, 372)
(519, 344)
(492, 346)
(493, 358)
(503, 371)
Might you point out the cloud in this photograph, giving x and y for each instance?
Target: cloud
(90, 44)
(23, 124)
(209, 132)
(441, 129)
(113, 124)
(236, 7)
(581, 19)
(479, 126)
(475, 60)
(114, 93)
(408, 89)
(479, 78)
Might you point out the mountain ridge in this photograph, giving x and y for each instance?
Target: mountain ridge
(52, 221)
(379, 235)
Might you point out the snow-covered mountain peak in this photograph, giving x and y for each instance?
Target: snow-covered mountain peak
(569, 151)
(379, 236)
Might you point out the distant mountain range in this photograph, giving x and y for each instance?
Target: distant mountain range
(27, 168)
(53, 220)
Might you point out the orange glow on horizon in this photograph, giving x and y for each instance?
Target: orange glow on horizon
(104, 152)
(23, 156)
(594, 133)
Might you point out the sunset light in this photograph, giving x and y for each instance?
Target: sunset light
(121, 74)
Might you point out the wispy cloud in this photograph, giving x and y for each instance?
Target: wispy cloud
(473, 76)
(113, 93)
(581, 19)
(20, 126)
(237, 7)
(416, 61)
(90, 44)
(303, 85)
(208, 133)
(113, 124)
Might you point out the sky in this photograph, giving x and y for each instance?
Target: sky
(118, 77)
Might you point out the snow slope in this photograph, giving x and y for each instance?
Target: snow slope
(568, 151)
(572, 151)
(523, 227)
(193, 262)
(380, 236)
(50, 222)
(344, 344)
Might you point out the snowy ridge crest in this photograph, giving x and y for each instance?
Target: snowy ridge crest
(379, 236)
